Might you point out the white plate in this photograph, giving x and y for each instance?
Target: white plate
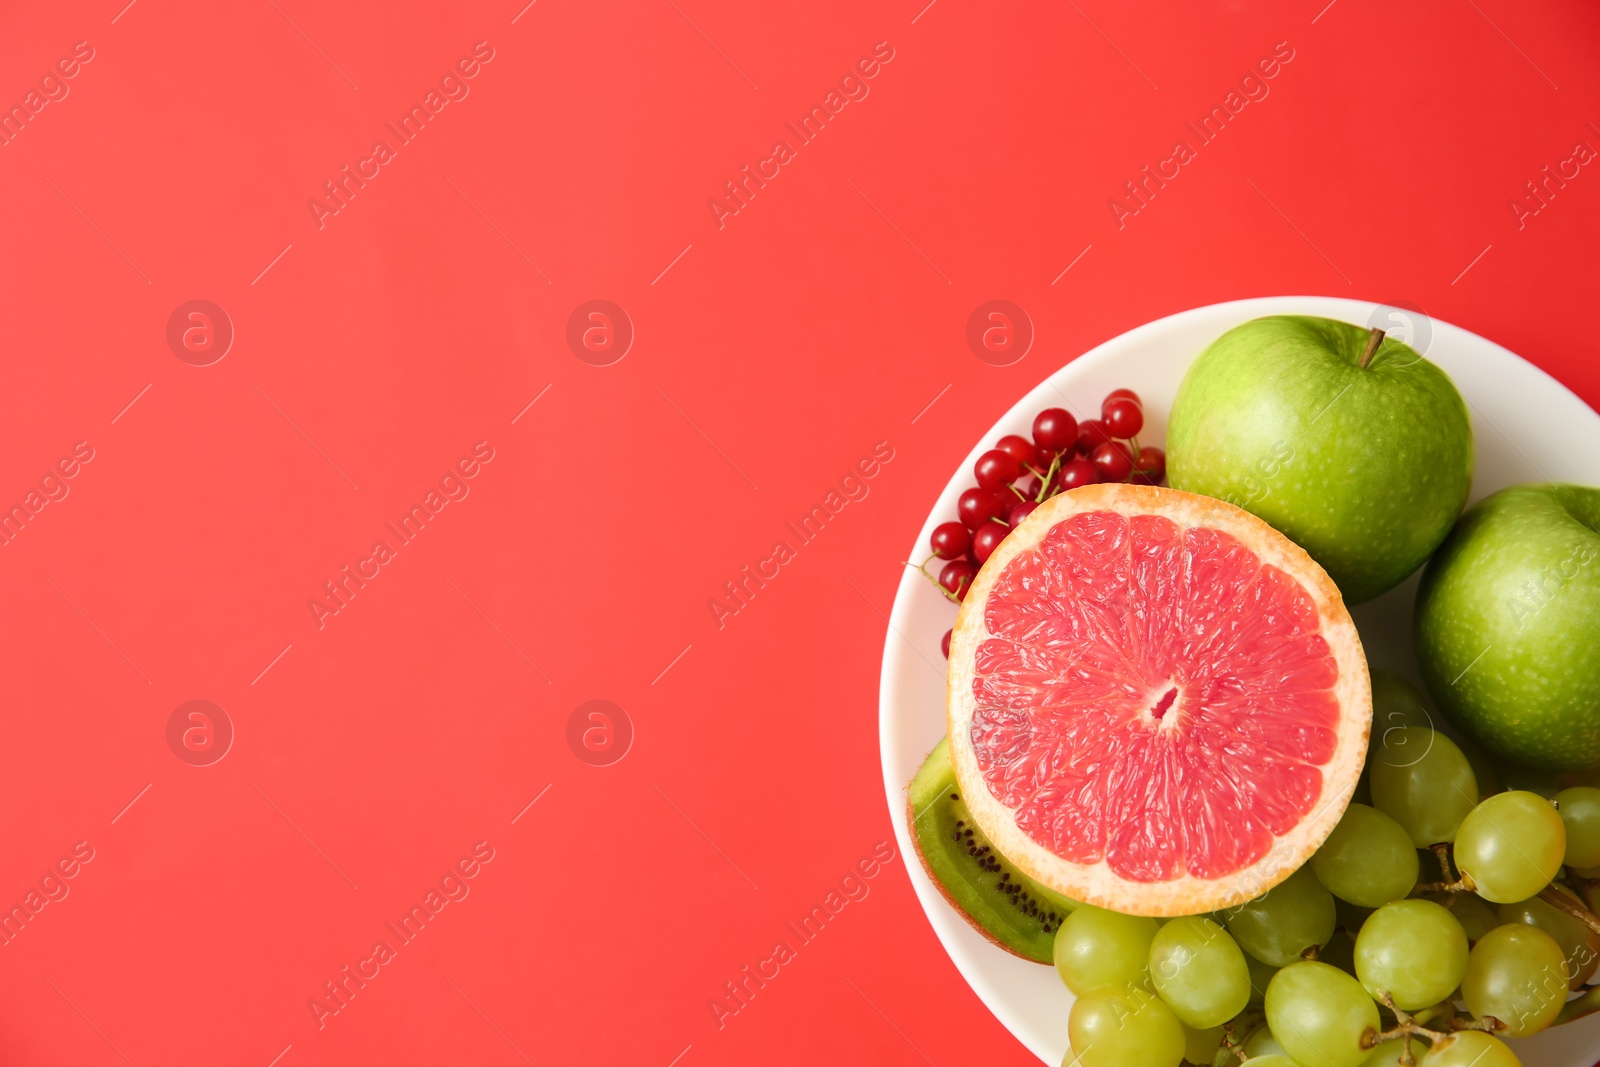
(1527, 427)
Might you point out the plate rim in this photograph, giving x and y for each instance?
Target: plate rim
(895, 648)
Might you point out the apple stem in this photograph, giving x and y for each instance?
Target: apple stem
(1374, 339)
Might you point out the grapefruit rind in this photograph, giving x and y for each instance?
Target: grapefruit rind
(1096, 883)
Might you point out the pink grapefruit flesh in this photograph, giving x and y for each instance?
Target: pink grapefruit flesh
(1157, 703)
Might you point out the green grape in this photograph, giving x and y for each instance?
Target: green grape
(1470, 1048)
(1120, 1025)
(1511, 846)
(1200, 1046)
(1320, 1014)
(1340, 951)
(1396, 702)
(1278, 927)
(1368, 859)
(1273, 1060)
(1389, 1053)
(1200, 972)
(1414, 950)
(1471, 911)
(1580, 813)
(1422, 781)
(1096, 948)
(1515, 975)
(1579, 944)
(1260, 977)
(1262, 1043)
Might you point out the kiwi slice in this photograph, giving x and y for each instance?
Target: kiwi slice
(1002, 903)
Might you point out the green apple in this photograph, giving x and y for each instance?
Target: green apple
(1347, 441)
(1508, 625)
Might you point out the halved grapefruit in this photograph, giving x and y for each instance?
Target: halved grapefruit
(1157, 703)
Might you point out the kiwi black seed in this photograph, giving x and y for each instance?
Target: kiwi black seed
(1002, 903)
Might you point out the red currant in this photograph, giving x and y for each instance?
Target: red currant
(987, 538)
(1023, 509)
(1120, 394)
(1076, 472)
(1092, 433)
(1152, 463)
(977, 506)
(1020, 449)
(1055, 430)
(1113, 461)
(950, 540)
(944, 644)
(996, 468)
(1124, 417)
(956, 577)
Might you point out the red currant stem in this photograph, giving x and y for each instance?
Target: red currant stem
(923, 570)
(1020, 494)
(1049, 479)
(1133, 442)
(1374, 339)
(1559, 900)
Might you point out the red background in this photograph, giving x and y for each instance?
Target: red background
(775, 353)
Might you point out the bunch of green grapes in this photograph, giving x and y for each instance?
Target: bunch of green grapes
(1436, 920)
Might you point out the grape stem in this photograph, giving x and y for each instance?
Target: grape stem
(1559, 900)
(1232, 1044)
(1587, 1004)
(1488, 1023)
(1406, 1026)
(1464, 884)
(1443, 852)
(1374, 339)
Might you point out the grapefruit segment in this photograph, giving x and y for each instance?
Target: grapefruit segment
(1157, 703)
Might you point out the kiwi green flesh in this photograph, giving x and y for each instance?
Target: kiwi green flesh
(1002, 903)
